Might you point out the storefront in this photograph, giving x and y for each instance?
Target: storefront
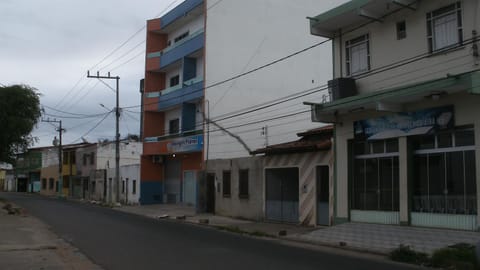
(414, 163)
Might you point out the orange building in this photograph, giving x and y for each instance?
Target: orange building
(172, 97)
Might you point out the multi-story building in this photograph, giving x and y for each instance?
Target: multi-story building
(28, 169)
(86, 157)
(173, 105)
(404, 101)
(103, 186)
(50, 171)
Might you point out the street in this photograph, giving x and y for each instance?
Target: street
(116, 240)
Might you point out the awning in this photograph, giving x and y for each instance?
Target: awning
(392, 99)
(355, 12)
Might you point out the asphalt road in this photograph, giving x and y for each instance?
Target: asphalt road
(117, 240)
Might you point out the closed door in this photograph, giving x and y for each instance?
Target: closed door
(282, 194)
(189, 188)
(173, 175)
(323, 195)
(210, 193)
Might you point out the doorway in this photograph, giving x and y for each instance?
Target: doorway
(323, 186)
(189, 188)
(210, 205)
(282, 195)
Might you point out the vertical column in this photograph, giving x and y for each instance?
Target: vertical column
(403, 180)
(477, 166)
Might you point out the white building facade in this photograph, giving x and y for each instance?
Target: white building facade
(404, 101)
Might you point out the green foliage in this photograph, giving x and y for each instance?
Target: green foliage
(19, 113)
(408, 255)
(460, 256)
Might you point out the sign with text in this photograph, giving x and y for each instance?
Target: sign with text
(186, 144)
(405, 124)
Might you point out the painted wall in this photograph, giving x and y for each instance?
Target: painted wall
(234, 206)
(193, 26)
(130, 153)
(306, 164)
(243, 35)
(383, 42)
(129, 174)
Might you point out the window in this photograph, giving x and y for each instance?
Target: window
(175, 80)
(93, 187)
(50, 183)
(84, 159)
(56, 186)
(44, 183)
(444, 175)
(376, 176)
(180, 37)
(357, 55)
(92, 158)
(134, 186)
(72, 157)
(243, 183)
(444, 27)
(174, 126)
(401, 30)
(65, 158)
(123, 186)
(226, 184)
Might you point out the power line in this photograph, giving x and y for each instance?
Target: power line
(93, 128)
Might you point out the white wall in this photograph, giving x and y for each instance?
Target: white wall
(170, 115)
(130, 153)
(172, 73)
(49, 157)
(243, 35)
(132, 173)
(385, 49)
(193, 26)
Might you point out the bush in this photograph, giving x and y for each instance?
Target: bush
(460, 256)
(406, 254)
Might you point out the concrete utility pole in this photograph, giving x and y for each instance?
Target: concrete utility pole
(59, 143)
(117, 128)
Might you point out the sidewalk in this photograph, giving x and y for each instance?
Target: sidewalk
(372, 238)
(27, 243)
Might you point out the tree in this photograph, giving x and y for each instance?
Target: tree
(19, 113)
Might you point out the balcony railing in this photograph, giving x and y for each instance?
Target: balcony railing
(172, 136)
(173, 88)
(179, 11)
(177, 51)
(190, 90)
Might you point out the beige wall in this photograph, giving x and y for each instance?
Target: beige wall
(466, 109)
(47, 173)
(385, 49)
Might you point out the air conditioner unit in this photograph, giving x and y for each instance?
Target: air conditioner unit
(341, 88)
(157, 159)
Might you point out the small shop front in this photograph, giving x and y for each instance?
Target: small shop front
(403, 156)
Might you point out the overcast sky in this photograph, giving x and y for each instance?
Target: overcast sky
(50, 45)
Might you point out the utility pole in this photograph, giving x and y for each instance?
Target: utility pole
(117, 129)
(60, 150)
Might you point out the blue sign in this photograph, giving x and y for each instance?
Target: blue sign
(405, 124)
(186, 144)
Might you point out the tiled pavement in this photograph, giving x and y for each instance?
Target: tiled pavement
(374, 238)
(383, 238)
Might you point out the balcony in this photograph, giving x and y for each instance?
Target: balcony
(181, 49)
(187, 91)
(180, 11)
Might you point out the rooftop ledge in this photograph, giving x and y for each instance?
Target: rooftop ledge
(354, 13)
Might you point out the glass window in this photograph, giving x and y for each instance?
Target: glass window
(134, 186)
(391, 145)
(361, 148)
(357, 55)
(444, 140)
(175, 80)
(424, 142)
(464, 137)
(378, 147)
(174, 126)
(401, 30)
(444, 27)
(226, 184)
(243, 183)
